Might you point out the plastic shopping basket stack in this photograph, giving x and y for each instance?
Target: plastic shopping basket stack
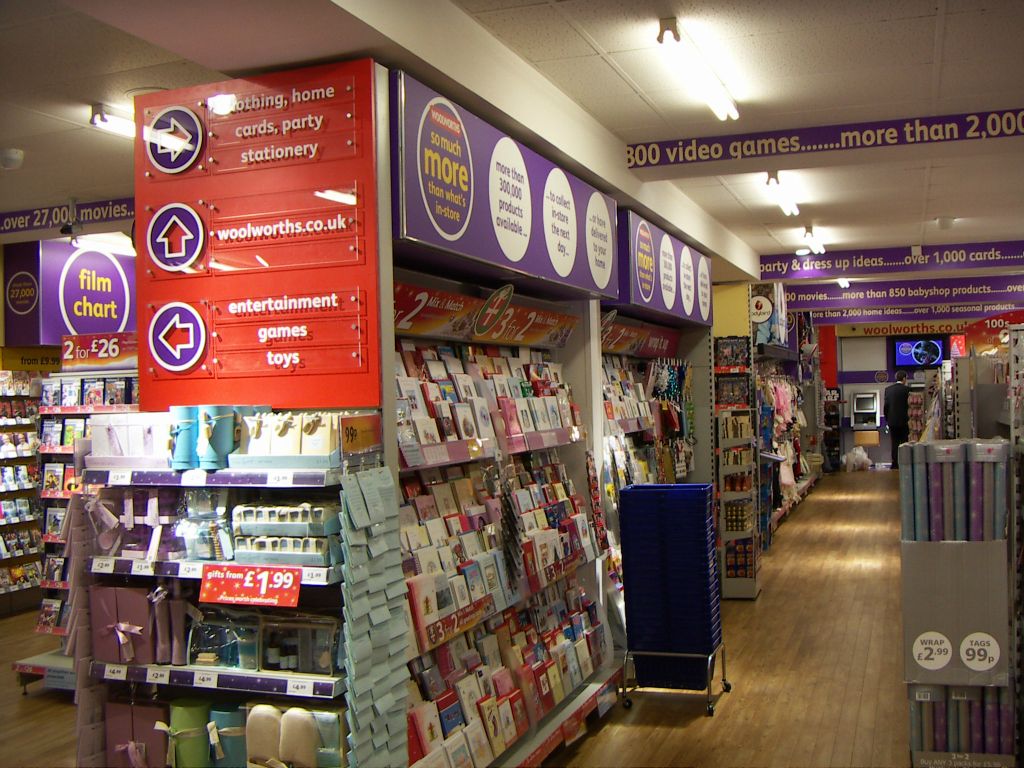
(670, 575)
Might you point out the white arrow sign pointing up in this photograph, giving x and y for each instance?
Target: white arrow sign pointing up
(163, 239)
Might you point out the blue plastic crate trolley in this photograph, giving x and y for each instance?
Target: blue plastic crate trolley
(670, 576)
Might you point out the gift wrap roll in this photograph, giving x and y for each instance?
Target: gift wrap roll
(941, 731)
(920, 492)
(188, 728)
(230, 724)
(991, 721)
(916, 735)
(1005, 721)
(906, 455)
(952, 725)
(964, 722)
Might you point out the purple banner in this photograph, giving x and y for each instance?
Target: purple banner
(903, 131)
(467, 188)
(78, 290)
(54, 216)
(660, 275)
(1007, 289)
(892, 314)
(878, 261)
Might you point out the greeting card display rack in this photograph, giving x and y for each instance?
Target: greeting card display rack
(1015, 395)
(467, 430)
(20, 521)
(673, 611)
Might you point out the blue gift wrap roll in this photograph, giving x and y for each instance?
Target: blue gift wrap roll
(184, 432)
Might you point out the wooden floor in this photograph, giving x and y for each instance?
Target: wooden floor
(814, 662)
(37, 729)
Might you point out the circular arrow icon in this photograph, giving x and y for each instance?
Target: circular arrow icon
(174, 139)
(175, 237)
(177, 336)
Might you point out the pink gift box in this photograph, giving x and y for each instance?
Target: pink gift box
(130, 733)
(120, 608)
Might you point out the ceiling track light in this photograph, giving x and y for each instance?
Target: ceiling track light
(812, 242)
(783, 196)
(700, 78)
(843, 283)
(111, 121)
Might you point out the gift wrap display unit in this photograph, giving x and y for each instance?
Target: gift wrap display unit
(269, 684)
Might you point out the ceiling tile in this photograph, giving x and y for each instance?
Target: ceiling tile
(17, 123)
(14, 12)
(538, 33)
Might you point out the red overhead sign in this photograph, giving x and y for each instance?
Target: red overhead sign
(257, 239)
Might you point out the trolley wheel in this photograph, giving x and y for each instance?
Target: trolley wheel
(726, 686)
(711, 710)
(627, 703)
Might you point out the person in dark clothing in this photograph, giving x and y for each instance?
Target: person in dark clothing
(897, 415)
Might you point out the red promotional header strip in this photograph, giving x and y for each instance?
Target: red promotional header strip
(639, 341)
(438, 314)
(100, 352)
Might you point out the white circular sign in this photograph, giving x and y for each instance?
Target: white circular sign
(509, 186)
(979, 651)
(600, 245)
(560, 222)
(704, 288)
(761, 309)
(686, 281)
(667, 258)
(932, 650)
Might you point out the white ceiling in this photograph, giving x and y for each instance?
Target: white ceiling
(799, 63)
(790, 63)
(54, 64)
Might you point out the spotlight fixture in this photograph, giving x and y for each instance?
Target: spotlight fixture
(812, 242)
(781, 195)
(843, 283)
(695, 71)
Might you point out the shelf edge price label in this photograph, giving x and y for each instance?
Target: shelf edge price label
(142, 567)
(932, 650)
(298, 687)
(188, 570)
(119, 477)
(279, 478)
(275, 586)
(205, 680)
(103, 565)
(116, 672)
(157, 676)
(979, 651)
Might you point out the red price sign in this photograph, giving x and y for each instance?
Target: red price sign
(271, 585)
(99, 351)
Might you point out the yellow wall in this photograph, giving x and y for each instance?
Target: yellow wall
(732, 309)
